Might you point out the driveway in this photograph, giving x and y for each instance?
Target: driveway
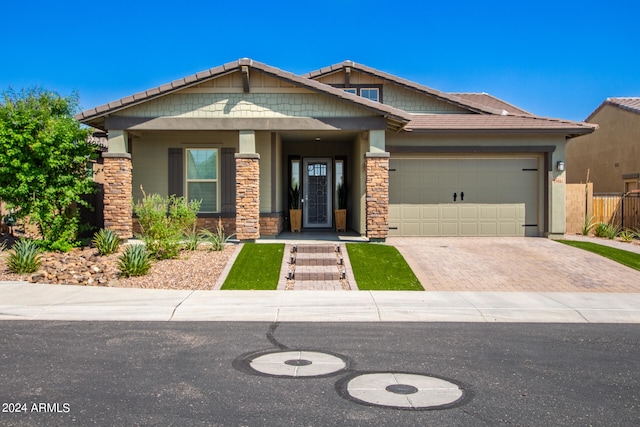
(513, 264)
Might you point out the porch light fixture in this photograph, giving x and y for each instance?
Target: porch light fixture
(560, 165)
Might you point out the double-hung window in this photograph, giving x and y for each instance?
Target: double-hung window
(202, 177)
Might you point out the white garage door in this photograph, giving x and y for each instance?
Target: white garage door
(463, 197)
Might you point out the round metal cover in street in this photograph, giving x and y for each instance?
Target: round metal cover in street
(403, 390)
(297, 363)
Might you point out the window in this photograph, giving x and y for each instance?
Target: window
(370, 93)
(202, 177)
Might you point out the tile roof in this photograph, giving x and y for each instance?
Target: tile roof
(491, 101)
(630, 103)
(492, 114)
(195, 79)
(445, 123)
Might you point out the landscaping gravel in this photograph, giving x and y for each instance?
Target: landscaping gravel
(193, 270)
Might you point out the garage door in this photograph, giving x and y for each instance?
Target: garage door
(463, 197)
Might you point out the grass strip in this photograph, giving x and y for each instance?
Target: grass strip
(630, 259)
(381, 268)
(257, 267)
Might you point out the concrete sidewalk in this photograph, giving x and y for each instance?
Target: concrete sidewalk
(27, 301)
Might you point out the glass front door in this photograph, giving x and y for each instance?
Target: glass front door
(316, 193)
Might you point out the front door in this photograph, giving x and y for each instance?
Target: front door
(316, 193)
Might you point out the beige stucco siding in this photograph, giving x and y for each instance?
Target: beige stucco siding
(236, 105)
(150, 156)
(610, 152)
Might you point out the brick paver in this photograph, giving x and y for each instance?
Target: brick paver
(512, 264)
(316, 268)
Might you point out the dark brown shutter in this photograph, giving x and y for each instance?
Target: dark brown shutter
(176, 172)
(228, 180)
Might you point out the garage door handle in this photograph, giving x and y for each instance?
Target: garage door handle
(461, 196)
(455, 196)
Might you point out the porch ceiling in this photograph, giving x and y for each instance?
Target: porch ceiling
(325, 136)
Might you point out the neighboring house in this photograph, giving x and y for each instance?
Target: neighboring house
(416, 161)
(611, 156)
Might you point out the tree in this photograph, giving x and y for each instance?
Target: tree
(44, 153)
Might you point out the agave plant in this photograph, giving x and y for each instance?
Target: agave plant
(106, 241)
(135, 261)
(218, 239)
(627, 235)
(25, 257)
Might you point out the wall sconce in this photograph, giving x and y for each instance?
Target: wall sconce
(560, 165)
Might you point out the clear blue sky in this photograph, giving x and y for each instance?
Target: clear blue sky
(553, 58)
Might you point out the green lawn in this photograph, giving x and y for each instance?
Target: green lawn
(630, 259)
(257, 267)
(381, 268)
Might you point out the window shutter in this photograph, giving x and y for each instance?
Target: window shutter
(176, 172)
(228, 180)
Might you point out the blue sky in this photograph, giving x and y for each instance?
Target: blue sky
(552, 58)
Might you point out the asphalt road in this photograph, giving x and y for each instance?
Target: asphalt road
(153, 373)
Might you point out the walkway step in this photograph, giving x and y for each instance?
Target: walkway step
(314, 267)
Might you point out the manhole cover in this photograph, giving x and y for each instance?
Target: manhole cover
(401, 390)
(293, 363)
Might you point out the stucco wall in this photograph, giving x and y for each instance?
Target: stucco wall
(150, 155)
(610, 152)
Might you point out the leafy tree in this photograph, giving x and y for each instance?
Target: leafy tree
(43, 162)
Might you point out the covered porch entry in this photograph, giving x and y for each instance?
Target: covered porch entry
(320, 175)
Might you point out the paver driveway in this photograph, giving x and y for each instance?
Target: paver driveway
(517, 264)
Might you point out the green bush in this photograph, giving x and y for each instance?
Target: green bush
(163, 221)
(135, 261)
(106, 241)
(218, 239)
(627, 235)
(25, 257)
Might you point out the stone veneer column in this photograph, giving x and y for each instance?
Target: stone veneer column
(377, 195)
(247, 196)
(117, 194)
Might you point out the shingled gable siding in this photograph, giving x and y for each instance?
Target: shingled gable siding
(268, 105)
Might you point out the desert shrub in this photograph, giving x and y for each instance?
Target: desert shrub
(163, 221)
(217, 239)
(134, 261)
(602, 229)
(588, 225)
(627, 235)
(193, 238)
(106, 241)
(25, 257)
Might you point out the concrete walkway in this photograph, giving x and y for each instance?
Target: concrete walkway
(27, 301)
